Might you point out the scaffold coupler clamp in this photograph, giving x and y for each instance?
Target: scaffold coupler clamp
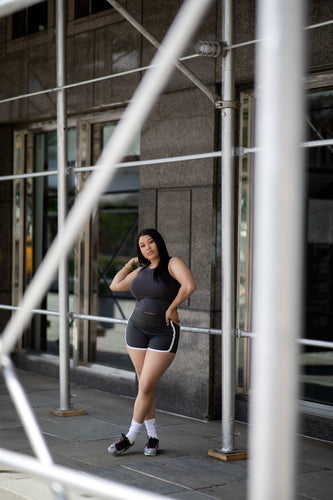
(220, 104)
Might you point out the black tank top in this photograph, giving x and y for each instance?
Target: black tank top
(153, 296)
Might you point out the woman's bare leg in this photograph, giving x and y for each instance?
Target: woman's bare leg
(149, 366)
(152, 368)
(138, 358)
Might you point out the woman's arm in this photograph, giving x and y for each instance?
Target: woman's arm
(182, 273)
(123, 279)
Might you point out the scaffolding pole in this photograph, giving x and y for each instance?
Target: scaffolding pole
(8, 7)
(62, 205)
(227, 235)
(227, 450)
(278, 245)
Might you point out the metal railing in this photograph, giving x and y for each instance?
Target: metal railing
(238, 151)
(238, 333)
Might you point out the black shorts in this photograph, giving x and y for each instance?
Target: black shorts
(149, 331)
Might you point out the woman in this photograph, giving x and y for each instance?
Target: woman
(152, 332)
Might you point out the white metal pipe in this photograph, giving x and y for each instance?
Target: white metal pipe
(208, 331)
(8, 7)
(80, 481)
(155, 161)
(62, 206)
(227, 237)
(25, 412)
(316, 343)
(35, 311)
(319, 25)
(278, 244)
(144, 98)
(158, 161)
(87, 82)
(27, 176)
(317, 144)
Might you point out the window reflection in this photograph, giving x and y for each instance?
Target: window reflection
(117, 228)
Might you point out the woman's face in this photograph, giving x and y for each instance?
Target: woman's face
(148, 248)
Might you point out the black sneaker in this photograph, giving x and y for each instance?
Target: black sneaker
(151, 447)
(120, 446)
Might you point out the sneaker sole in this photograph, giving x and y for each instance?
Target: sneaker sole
(148, 454)
(116, 453)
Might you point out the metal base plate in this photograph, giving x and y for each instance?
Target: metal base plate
(73, 412)
(227, 456)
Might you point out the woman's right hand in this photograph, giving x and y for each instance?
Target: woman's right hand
(123, 279)
(133, 262)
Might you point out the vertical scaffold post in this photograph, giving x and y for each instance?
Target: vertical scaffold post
(228, 450)
(62, 205)
(278, 243)
(63, 294)
(227, 236)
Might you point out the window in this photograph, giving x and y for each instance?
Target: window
(30, 20)
(87, 7)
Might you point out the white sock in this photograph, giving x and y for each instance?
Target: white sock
(133, 431)
(151, 428)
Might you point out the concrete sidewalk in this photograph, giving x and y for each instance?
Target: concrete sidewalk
(181, 470)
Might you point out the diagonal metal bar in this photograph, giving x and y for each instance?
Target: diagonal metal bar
(135, 114)
(110, 292)
(139, 27)
(122, 243)
(8, 7)
(316, 131)
(103, 272)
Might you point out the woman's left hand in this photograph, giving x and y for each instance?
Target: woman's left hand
(172, 315)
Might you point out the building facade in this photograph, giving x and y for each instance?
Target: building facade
(180, 198)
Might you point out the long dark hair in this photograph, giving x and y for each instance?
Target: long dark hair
(161, 271)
